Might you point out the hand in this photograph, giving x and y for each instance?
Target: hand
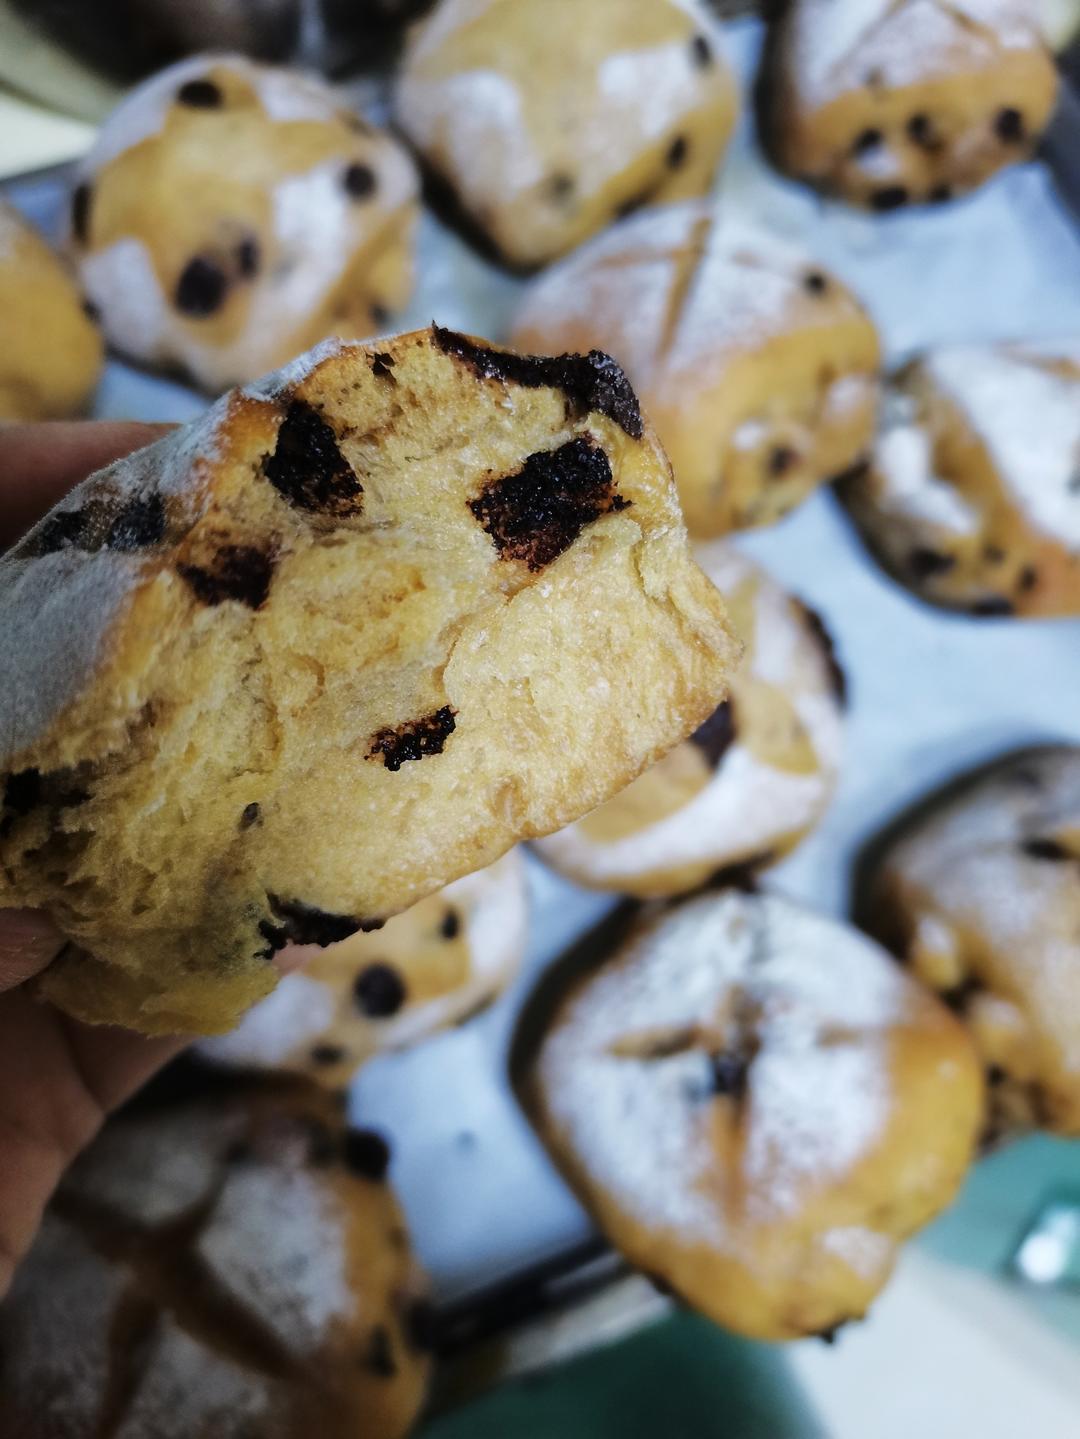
(58, 1078)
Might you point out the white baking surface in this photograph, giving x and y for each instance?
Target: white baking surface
(931, 693)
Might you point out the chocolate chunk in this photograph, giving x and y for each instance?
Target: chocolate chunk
(91, 311)
(201, 288)
(304, 924)
(139, 524)
(816, 282)
(327, 1054)
(382, 365)
(1027, 579)
(308, 469)
(923, 562)
(867, 140)
(729, 1074)
(1050, 849)
(380, 315)
(780, 460)
(66, 527)
(921, 132)
(701, 51)
(379, 991)
(413, 740)
(715, 735)
(1009, 125)
(251, 814)
(369, 926)
(80, 213)
(367, 1154)
(940, 194)
(22, 791)
(995, 1075)
(238, 572)
(451, 924)
(561, 186)
(422, 1326)
(837, 677)
(590, 382)
(992, 605)
(359, 181)
(247, 257)
(200, 95)
(892, 197)
(677, 152)
(537, 513)
(380, 1354)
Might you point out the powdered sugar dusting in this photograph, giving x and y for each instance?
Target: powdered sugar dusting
(864, 1251)
(908, 487)
(279, 382)
(640, 1128)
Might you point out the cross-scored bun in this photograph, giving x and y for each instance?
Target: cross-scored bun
(758, 1106)
(347, 637)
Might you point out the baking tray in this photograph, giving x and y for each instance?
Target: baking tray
(520, 1276)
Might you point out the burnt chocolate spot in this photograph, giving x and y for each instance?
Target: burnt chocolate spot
(415, 739)
(537, 513)
(238, 572)
(422, 1326)
(590, 382)
(250, 815)
(924, 562)
(80, 213)
(327, 1054)
(247, 257)
(379, 991)
(716, 734)
(1050, 849)
(921, 132)
(780, 460)
(308, 469)
(677, 152)
(451, 924)
(867, 140)
(367, 1154)
(992, 605)
(1009, 125)
(380, 1354)
(837, 677)
(382, 365)
(380, 315)
(66, 527)
(359, 181)
(200, 95)
(304, 924)
(139, 524)
(701, 51)
(1027, 579)
(561, 186)
(891, 197)
(729, 1074)
(940, 194)
(816, 282)
(201, 288)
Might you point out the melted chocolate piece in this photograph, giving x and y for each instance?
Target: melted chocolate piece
(701, 51)
(382, 365)
(816, 282)
(592, 382)
(837, 677)
(139, 524)
(380, 315)
(307, 467)
(238, 572)
(304, 924)
(380, 1355)
(250, 815)
(677, 152)
(561, 187)
(201, 288)
(940, 194)
(367, 1154)
(992, 605)
(327, 1054)
(730, 1073)
(80, 213)
(921, 132)
(414, 740)
(537, 513)
(200, 95)
(1050, 849)
(716, 734)
(247, 257)
(923, 562)
(867, 140)
(22, 791)
(1009, 125)
(891, 197)
(451, 925)
(359, 182)
(780, 460)
(379, 991)
(1027, 579)
(66, 527)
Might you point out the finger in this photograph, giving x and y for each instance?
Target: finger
(40, 463)
(28, 942)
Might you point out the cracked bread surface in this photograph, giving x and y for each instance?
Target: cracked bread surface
(348, 636)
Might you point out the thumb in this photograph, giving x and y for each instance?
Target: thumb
(28, 942)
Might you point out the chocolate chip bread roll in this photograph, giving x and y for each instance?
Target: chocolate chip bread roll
(230, 215)
(891, 102)
(544, 120)
(758, 1107)
(50, 349)
(979, 893)
(350, 635)
(433, 966)
(234, 1267)
(973, 496)
(757, 366)
(746, 787)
